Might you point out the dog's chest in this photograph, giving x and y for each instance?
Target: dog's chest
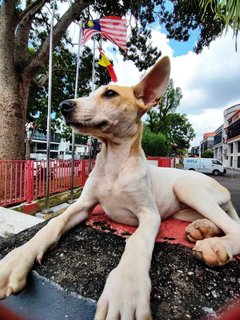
(118, 200)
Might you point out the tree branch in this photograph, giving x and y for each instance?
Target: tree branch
(31, 7)
(58, 32)
(22, 33)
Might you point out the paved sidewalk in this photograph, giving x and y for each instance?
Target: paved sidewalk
(12, 222)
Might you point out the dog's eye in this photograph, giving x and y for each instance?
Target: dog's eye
(110, 94)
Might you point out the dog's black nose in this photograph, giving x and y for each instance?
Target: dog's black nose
(67, 106)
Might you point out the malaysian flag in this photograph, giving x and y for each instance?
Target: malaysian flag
(112, 28)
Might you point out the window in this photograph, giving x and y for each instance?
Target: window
(216, 162)
(234, 129)
(238, 146)
(238, 162)
(41, 146)
(231, 161)
(53, 146)
(231, 147)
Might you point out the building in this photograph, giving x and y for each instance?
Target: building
(38, 148)
(194, 151)
(65, 150)
(59, 148)
(219, 149)
(207, 142)
(227, 138)
(232, 136)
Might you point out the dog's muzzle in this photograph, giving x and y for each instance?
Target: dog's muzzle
(67, 107)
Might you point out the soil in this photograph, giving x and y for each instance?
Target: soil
(182, 287)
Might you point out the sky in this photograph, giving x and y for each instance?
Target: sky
(210, 81)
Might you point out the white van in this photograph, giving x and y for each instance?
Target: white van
(204, 165)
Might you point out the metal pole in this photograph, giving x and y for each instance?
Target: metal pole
(93, 87)
(49, 109)
(93, 64)
(75, 97)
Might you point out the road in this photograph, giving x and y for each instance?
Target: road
(232, 182)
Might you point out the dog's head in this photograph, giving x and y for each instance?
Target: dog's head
(115, 111)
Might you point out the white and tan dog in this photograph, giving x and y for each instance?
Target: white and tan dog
(133, 192)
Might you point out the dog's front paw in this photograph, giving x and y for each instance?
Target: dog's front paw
(126, 296)
(14, 268)
(214, 251)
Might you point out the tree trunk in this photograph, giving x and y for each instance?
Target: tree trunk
(13, 116)
(13, 90)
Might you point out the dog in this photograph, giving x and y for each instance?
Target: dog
(132, 192)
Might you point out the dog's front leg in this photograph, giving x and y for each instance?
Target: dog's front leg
(126, 294)
(14, 267)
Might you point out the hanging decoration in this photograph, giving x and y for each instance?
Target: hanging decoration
(104, 62)
(112, 28)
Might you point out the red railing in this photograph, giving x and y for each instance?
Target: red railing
(163, 161)
(25, 180)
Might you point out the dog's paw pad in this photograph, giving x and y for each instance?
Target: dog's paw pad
(201, 229)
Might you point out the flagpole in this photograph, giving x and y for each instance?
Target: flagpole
(49, 110)
(75, 97)
(93, 64)
(93, 87)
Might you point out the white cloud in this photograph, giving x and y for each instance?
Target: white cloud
(207, 121)
(210, 79)
(209, 83)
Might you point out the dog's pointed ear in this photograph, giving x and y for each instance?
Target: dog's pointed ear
(152, 87)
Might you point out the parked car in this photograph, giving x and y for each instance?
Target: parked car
(40, 168)
(204, 165)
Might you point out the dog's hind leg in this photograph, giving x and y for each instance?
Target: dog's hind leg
(230, 210)
(14, 267)
(207, 201)
(204, 228)
(200, 228)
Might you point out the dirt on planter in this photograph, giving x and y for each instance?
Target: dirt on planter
(182, 287)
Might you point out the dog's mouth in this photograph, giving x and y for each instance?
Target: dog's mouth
(85, 125)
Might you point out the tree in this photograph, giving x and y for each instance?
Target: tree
(18, 66)
(207, 154)
(167, 104)
(21, 28)
(189, 15)
(225, 10)
(174, 126)
(153, 144)
(178, 130)
(64, 73)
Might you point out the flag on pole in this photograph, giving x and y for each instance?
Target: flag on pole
(104, 62)
(112, 28)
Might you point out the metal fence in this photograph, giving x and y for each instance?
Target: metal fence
(25, 180)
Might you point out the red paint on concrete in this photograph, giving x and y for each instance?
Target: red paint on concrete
(171, 231)
(30, 208)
